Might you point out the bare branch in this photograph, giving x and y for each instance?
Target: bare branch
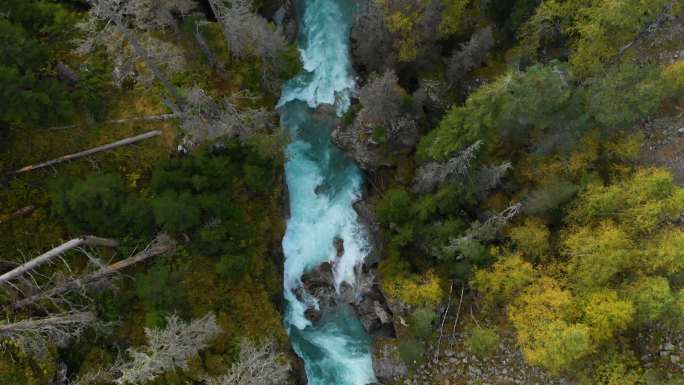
(168, 348)
(33, 334)
(207, 119)
(19, 213)
(256, 365)
(160, 245)
(41, 259)
(431, 175)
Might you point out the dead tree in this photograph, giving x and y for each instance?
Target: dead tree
(371, 40)
(489, 177)
(249, 34)
(159, 14)
(246, 32)
(204, 47)
(168, 348)
(66, 74)
(160, 245)
(256, 365)
(205, 118)
(59, 250)
(653, 26)
(95, 150)
(381, 100)
(472, 55)
(109, 17)
(33, 334)
(483, 231)
(444, 316)
(431, 175)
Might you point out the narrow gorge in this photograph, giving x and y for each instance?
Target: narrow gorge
(323, 184)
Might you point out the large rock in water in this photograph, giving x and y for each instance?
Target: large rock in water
(354, 141)
(365, 299)
(358, 142)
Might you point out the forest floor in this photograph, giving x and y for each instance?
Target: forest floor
(664, 143)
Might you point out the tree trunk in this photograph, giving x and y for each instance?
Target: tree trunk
(152, 66)
(33, 334)
(19, 213)
(41, 259)
(215, 8)
(202, 43)
(160, 245)
(37, 325)
(66, 74)
(91, 151)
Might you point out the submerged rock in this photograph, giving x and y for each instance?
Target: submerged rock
(338, 243)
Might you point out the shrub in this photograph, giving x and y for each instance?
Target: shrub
(232, 267)
(160, 287)
(504, 279)
(410, 350)
(531, 238)
(176, 212)
(482, 341)
(421, 321)
(394, 206)
(99, 205)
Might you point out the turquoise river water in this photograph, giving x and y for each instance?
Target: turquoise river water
(323, 185)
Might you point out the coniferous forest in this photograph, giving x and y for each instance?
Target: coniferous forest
(522, 168)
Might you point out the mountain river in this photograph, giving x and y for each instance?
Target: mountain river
(323, 184)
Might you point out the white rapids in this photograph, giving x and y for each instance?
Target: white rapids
(323, 184)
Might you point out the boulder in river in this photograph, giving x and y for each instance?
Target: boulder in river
(365, 299)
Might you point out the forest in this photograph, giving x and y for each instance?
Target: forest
(523, 190)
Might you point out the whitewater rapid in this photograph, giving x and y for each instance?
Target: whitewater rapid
(323, 184)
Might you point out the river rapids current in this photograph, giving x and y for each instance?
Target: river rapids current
(323, 184)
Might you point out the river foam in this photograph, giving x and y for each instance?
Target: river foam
(323, 184)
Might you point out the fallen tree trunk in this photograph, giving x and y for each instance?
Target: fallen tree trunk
(91, 151)
(204, 47)
(34, 333)
(61, 249)
(162, 244)
(66, 74)
(19, 213)
(178, 100)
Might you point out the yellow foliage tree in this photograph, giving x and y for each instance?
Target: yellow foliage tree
(640, 203)
(500, 283)
(652, 297)
(664, 253)
(597, 254)
(606, 27)
(452, 16)
(606, 314)
(540, 316)
(404, 25)
(416, 290)
(618, 368)
(531, 238)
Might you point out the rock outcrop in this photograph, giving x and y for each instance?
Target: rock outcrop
(364, 298)
(372, 148)
(356, 142)
(387, 364)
